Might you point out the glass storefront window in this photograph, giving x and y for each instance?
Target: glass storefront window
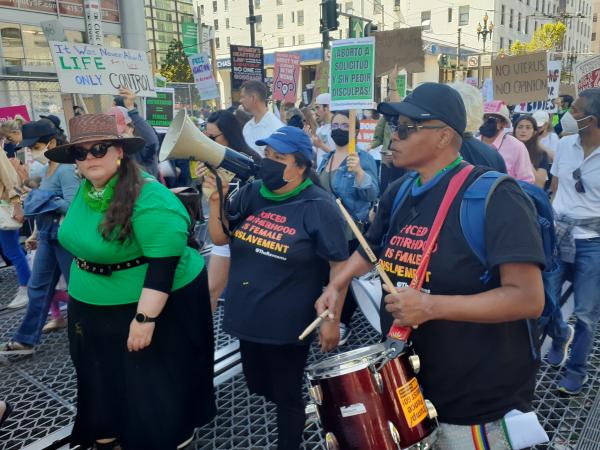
(75, 36)
(12, 44)
(35, 44)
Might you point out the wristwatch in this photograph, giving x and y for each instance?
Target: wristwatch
(143, 318)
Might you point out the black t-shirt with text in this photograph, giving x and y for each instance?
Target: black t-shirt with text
(473, 373)
(279, 256)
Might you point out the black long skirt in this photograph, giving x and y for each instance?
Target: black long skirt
(151, 399)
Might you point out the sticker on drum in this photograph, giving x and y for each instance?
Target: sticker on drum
(353, 410)
(412, 402)
(367, 292)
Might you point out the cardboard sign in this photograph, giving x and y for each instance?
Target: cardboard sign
(247, 63)
(286, 76)
(520, 78)
(12, 112)
(366, 133)
(160, 110)
(321, 80)
(587, 74)
(352, 76)
(554, 70)
(203, 76)
(92, 69)
(402, 47)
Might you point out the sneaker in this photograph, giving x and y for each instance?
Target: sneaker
(345, 332)
(8, 409)
(557, 355)
(54, 324)
(20, 300)
(571, 383)
(16, 348)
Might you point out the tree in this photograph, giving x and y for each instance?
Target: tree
(176, 66)
(548, 37)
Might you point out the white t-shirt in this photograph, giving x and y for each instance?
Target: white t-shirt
(324, 133)
(568, 201)
(266, 127)
(550, 141)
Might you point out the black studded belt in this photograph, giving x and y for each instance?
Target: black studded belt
(108, 269)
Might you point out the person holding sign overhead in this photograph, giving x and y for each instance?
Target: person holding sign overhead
(283, 231)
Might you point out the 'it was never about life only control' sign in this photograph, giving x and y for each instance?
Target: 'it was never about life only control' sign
(93, 69)
(352, 74)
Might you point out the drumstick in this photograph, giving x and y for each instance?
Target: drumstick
(315, 323)
(365, 245)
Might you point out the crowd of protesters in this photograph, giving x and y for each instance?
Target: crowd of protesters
(97, 213)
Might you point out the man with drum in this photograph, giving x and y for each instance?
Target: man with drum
(472, 337)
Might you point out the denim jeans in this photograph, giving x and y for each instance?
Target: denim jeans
(9, 243)
(50, 261)
(585, 275)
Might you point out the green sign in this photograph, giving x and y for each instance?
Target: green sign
(160, 109)
(160, 81)
(401, 85)
(190, 38)
(352, 73)
(356, 28)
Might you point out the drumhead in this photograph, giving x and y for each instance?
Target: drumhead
(346, 362)
(367, 292)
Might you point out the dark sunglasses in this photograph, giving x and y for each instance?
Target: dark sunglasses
(404, 130)
(97, 151)
(578, 182)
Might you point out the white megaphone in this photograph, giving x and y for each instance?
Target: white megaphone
(185, 141)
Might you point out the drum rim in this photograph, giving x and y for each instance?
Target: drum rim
(320, 371)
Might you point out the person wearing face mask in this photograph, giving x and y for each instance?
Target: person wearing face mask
(576, 184)
(283, 230)
(47, 205)
(353, 179)
(496, 117)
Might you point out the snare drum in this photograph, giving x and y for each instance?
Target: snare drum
(365, 401)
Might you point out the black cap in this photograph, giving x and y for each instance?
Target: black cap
(54, 119)
(33, 131)
(431, 101)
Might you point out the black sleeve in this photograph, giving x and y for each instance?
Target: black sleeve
(326, 225)
(512, 233)
(160, 274)
(380, 226)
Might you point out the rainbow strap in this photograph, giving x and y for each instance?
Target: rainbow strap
(479, 437)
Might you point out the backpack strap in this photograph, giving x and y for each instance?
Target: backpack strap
(472, 213)
(403, 192)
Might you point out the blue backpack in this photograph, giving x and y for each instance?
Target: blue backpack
(472, 221)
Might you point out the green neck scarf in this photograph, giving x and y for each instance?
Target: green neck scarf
(99, 200)
(450, 166)
(270, 195)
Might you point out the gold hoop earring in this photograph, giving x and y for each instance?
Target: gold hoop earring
(119, 162)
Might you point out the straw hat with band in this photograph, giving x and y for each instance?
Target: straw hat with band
(92, 128)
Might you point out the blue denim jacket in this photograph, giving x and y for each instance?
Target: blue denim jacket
(356, 198)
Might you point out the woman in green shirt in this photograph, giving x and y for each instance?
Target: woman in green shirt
(140, 326)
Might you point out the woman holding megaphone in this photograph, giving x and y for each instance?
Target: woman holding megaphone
(283, 231)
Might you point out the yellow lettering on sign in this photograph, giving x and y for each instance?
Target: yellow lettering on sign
(412, 402)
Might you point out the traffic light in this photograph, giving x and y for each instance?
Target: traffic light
(329, 15)
(370, 28)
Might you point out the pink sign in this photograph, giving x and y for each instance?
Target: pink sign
(494, 106)
(286, 75)
(11, 112)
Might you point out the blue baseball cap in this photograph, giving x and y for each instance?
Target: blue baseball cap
(430, 101)
(289, 140)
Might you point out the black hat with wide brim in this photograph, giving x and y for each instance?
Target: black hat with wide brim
(93, 128)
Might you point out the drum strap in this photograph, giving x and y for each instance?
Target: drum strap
(402, 333)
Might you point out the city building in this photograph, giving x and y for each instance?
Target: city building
(595, 38)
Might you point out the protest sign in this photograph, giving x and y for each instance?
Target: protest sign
(587, 74)
(554, 70)
(160, 109)
(520, 78)
(366, 134)
(352, 74)
(190, 38)
(93, 22)
(286, 75)
(12, 112)
(402, 47)
(401, 84)
(487, 90)
(247, 63)
(92, 69)
(203, 76)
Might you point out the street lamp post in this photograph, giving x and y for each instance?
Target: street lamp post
(483, 32)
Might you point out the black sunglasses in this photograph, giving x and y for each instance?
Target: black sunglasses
(404, 130)
(97, 151)
(578, 182)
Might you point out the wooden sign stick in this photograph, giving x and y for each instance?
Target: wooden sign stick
(314, 324)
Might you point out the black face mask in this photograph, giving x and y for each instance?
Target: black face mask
(489, 129)
(271, 174)
(340, 137)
